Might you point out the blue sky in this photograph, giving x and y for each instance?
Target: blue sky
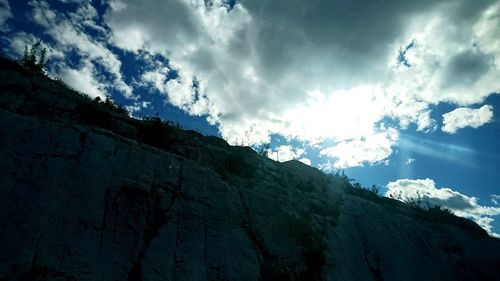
(402, 94)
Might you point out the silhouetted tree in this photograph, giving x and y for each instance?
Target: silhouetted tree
(264, 149)
(35, 59)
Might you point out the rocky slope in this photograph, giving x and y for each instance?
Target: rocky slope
(87, 193)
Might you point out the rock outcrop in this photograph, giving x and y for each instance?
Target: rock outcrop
(87, 193)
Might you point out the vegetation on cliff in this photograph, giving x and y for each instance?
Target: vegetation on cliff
(289, 213)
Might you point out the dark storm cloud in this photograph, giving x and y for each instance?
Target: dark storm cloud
(168, 20)
(466, 68)
(294, 68)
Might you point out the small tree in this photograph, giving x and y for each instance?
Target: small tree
(264, 149)
(35, 59)
(375, 189)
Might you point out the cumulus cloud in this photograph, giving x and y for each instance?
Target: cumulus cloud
(316, 70)
(306, 161)
(5, 14)
(466, 117)
(83, 80)
(495, 199)
(286, 153)
(156, 79)
(136, 106)
(352, 153)
(70, 31)
(20, 40)
(461, 205)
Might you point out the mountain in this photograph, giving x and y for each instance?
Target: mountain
(88, 193)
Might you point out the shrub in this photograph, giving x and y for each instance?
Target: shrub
(367, 194)
(98, 113)
(111, 105)
(157, 133)
(305, 185)
(237, 164)
(92, 114)
(355, 188)
(312, 238)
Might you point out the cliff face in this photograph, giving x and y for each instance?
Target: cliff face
(89, 194)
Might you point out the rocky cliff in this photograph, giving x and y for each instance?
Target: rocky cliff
(87, 193)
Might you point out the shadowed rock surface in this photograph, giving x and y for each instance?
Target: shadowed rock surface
(87, 193)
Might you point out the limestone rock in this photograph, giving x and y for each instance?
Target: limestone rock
(87, 193)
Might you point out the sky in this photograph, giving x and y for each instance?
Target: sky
(401, 94)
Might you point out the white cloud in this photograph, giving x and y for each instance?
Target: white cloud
(157, 79)
(83, 80)
(286, 153)
(488, 34)
(5, 14)
(409, 161)
(466, 117)
(495, 199)
(136, 106)
(68, 31)
(485, 222)
(20, 40)
(461, 205)
(306, 161)
(180, 92)
(316, 70)
(353, 153)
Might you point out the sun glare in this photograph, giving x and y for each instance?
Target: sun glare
(341, 115)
